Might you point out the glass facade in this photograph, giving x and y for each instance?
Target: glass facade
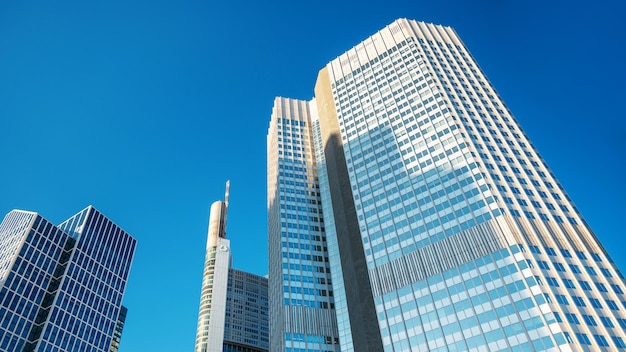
(302, 308)
(246, 324)
(468, 240)
(63, 286)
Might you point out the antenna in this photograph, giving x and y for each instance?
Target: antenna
(227, 192)
(223, 234)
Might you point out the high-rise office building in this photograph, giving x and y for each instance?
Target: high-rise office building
(443, 222)
(61, 287)
(246, 324)
(302, 308)
(233, 314)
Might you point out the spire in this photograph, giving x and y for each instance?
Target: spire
(227, 191)
(223, 234)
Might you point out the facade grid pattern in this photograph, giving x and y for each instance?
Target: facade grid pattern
(246, 322)
(65, 285)
(302, 306)
(469, 241)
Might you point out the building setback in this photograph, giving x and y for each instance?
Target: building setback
(233, 314)
(445, 228)
(61, 287)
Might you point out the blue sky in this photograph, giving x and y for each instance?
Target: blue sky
(145, 108)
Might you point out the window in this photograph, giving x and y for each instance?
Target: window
(612, 304)
(575, 268)
(581, 255)
(617, 289)
(543, 265)
(595, 302)
(601, 287)
(583, 339)
(606, 321)
(591, 271)
(601, 340)
(619, 341)
(558, 266)
(561, 299)
(585, 285)
(568, 283)
(568, 337)
(606, 272)
(552, 281)
(572, 318)
(579, 301)
(589, 320)
(550, 251)
(547, 298)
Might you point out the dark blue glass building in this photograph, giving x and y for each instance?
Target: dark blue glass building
(61, 287)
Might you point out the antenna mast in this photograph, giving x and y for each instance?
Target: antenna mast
(227, 191)
(223, 234)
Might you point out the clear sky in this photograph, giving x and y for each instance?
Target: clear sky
(145, 108)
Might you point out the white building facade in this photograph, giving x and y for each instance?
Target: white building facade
(233, 313)
(467, 240)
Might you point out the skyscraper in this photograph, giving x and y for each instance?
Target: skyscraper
(443, 221)
(302, 308)
(61, 287)
(233, 304)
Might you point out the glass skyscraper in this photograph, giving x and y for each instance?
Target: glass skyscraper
(61, 287)
(302, 308)
(444, 224)
(233, 314)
